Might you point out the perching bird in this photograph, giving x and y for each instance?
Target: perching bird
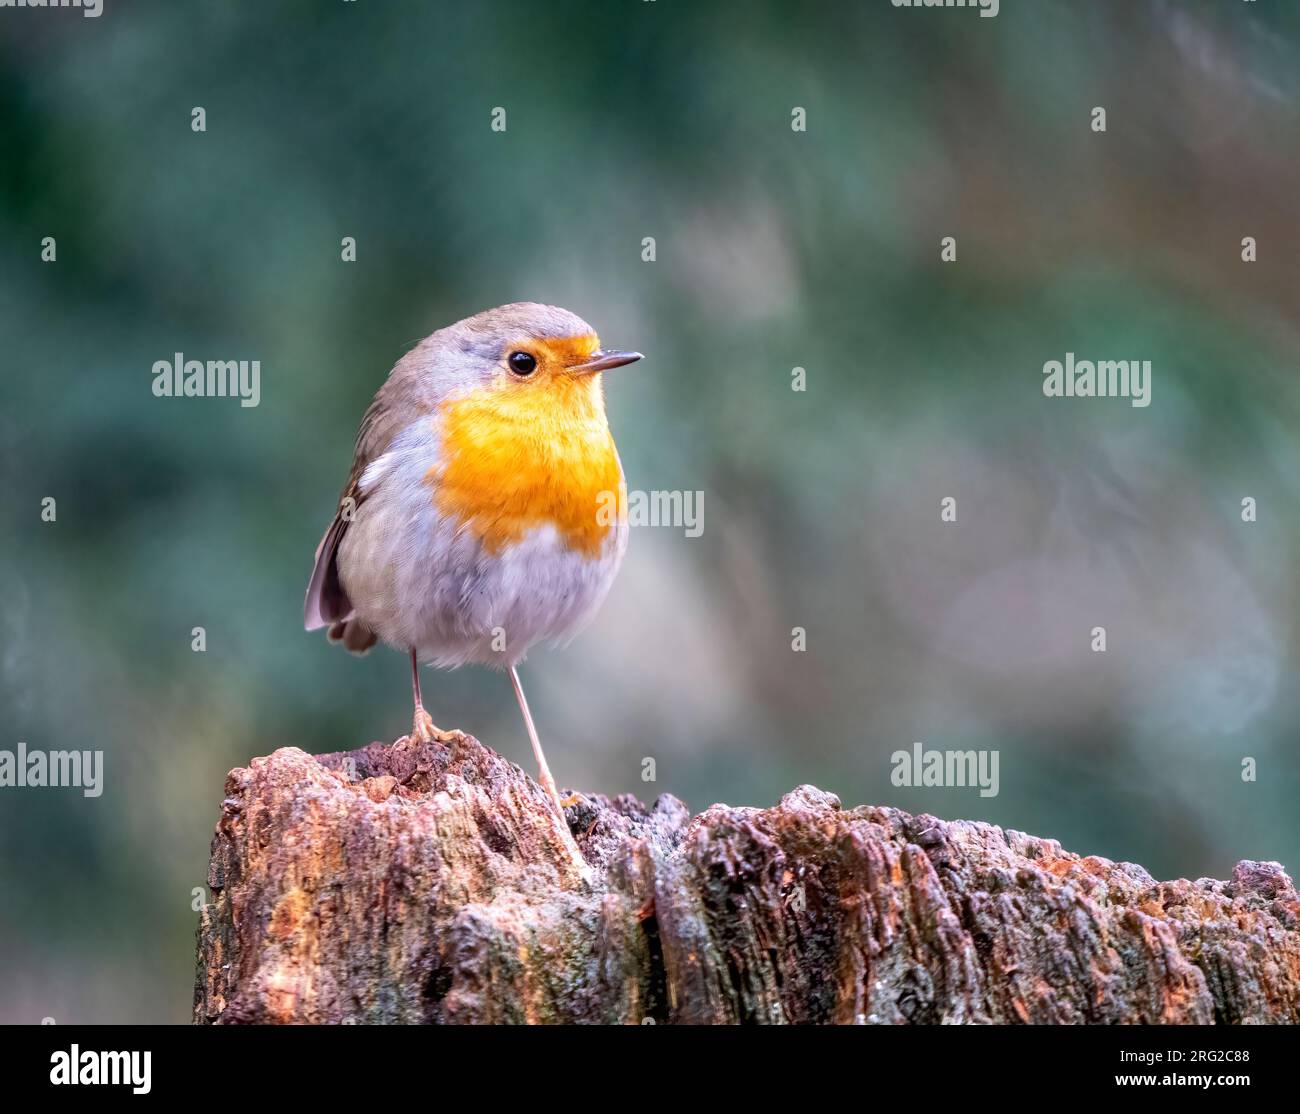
(483, 513)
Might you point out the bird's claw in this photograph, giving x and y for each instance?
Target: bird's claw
(424, 730)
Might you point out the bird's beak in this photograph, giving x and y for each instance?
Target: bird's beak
(603, 359)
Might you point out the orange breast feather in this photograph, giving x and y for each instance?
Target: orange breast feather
(529, 455)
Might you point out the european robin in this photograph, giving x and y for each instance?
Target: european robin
(471, 526)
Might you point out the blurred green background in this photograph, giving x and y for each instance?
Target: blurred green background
(775, 249)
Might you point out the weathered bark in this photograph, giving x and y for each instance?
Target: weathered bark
(412, 883)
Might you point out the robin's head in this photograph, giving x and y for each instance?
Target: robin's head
(540, 355)
(520, 417)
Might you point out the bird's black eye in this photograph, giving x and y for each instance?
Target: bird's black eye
(522, 363)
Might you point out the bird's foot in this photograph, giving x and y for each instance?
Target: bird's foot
(424, 730)
(547, 782)
(548, 785)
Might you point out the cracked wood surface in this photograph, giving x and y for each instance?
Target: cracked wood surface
(431, 883)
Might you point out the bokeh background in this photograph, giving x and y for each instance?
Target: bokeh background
(775, 249)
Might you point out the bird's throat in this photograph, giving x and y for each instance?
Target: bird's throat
(518, 458)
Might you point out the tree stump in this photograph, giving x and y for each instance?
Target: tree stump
(433, 883)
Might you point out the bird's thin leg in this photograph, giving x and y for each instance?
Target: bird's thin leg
(548, 782)
(423, 728)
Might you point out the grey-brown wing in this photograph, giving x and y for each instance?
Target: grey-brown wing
(327, 602)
